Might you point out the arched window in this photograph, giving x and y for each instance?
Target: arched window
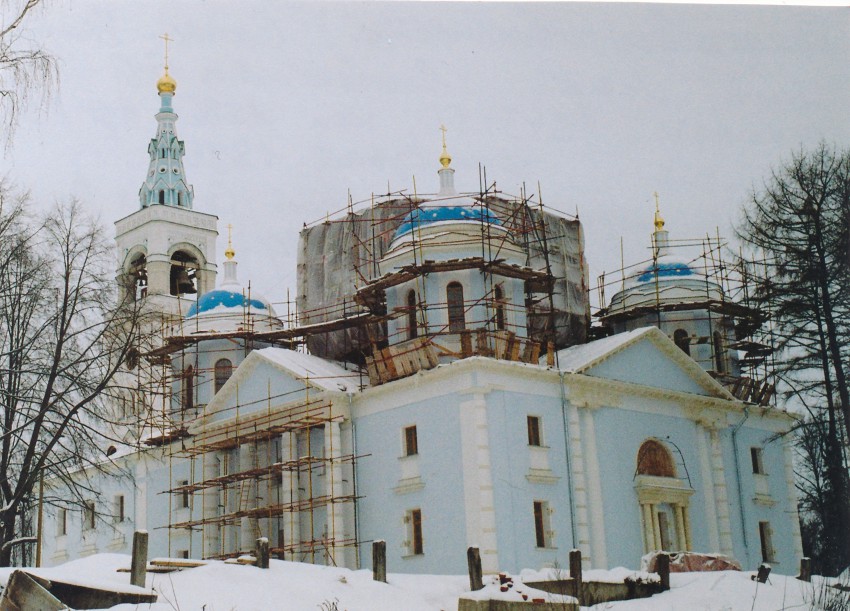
(161, 196)
(223, 371)
(188, 388)
(683, 340)
(412, 331)
(654, 459)
(184, 274)
(499, 296)
(454, 298)
(719, 361)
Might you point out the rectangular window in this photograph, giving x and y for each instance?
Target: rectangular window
(118, 511)
(62, 522)
(88, 515)
(766, 542)
(184, 495)
(414, 532)
(534, 431)
(541, 524)
(756, 456)
(411, 442)
(183, 553)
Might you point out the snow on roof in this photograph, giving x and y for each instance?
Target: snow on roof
(576, 359)
(321, 373)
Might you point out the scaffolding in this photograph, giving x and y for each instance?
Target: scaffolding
(728, 306)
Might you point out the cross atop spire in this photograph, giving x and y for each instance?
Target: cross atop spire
(229, 253)
(167, 39)
(659, 221)
(445, 158)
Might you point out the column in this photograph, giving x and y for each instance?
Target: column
(289, 493)
(212, 536)
(249, 530)
(333, 488)
(679, 514)
(656, 527)
(792, 500)
(646, 523)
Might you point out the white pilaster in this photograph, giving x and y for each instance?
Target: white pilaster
(580, 489)
(594, 491)
(708, 490)
(796, 539)
(249, 530)
(478, 482)
(212, 535)
(334, 490)
(289, 493)
(724, 524)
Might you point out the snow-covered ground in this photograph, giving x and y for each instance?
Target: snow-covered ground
(294, 586)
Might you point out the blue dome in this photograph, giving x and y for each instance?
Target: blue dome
(665, 270)
(222, 298)
(437, 214)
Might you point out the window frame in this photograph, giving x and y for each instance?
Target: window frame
(89, 515)
(410, 440)
(455, 307)
(62, 522)
(534, 426)
(542, 533)
(768, 552)
(416, 543)
(119, 508)
(221, 366)
(757, 459)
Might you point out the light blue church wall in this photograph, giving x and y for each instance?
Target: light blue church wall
(633, 365)
(381, 510)
(620, 433)
(746, 540)
(514, 494)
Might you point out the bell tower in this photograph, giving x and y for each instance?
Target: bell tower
(166, 250)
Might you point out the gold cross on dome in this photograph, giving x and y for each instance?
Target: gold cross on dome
(656, 200)
(167, 39)
(444, 130)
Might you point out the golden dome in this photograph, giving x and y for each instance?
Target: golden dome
(166, 83)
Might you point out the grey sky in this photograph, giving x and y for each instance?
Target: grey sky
(286, 106)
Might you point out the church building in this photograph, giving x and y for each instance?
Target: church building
(439, 387)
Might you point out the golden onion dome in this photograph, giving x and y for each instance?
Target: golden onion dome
(166, 83)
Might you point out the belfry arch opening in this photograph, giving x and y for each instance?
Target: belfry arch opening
(137, 277)
(184, 274)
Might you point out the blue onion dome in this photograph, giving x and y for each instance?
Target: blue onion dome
(223, 301)
(229, 308)
(430, 215)
(665, 270)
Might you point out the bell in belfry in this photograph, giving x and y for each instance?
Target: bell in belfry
(184, 282)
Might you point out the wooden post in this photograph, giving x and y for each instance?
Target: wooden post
(663, 568)
(575, 572)
(763, 573)
(550, 354)
(262, 553)
(805, 569)
(473, 560)
(139, 564)
(379, 560)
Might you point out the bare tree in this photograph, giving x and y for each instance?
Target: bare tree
(24, 69)
(63, 339)
(797, 226)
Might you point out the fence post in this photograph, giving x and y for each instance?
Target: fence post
(379, 560)
(262, 553)
(139, 563)
(663, 564)
(805, 569)
(575, 572)
(473, 560)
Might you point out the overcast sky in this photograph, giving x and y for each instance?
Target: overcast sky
(285, 107)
